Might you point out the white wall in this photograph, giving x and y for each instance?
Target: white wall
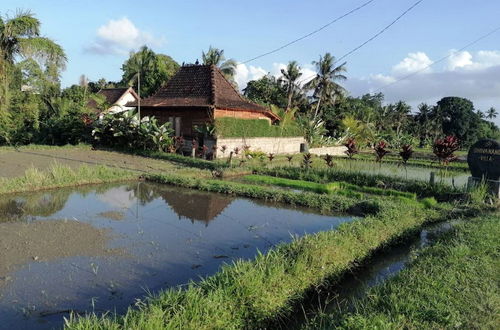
(276, 145)
(128, 97)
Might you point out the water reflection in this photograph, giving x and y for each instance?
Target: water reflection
(99, 247)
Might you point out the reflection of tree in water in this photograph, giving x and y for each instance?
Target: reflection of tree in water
(194, 205)
(42, 203)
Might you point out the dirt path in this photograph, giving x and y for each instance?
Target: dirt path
(15, 162)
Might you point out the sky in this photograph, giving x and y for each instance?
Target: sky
(98, 36)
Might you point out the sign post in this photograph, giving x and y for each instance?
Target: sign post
(484, 164)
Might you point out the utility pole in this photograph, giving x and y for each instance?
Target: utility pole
(139, 94)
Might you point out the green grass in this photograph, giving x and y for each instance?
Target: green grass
(328, 188)
(63, 176)
(452, 284)
(234, 127)
(323, 202)
(44, 147)
(250, 294)
(416, 162)
(326, 175)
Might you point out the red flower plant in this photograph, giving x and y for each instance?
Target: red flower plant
(444, 149)
(381, 150)
(352, 149)
(406, 152)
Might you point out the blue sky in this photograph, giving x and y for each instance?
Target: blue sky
(97, 36)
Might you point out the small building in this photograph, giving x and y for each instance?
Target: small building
(116, 100)
(198, 94)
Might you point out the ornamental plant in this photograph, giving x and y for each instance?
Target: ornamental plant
(406, 153)
(307, 160)
(289, 158)
(351, 146)
(328, 160)
(444, 149)
(270, 157)
(381, 150)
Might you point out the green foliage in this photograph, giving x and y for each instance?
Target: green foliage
(326, 175)
(63, 176)
(250, 294)
(124, 130)
(154, 70)
(215, 56)
(234, 127)
(340, 187)
(267, 90)
(451, 284)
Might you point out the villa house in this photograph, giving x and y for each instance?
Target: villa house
(198, 94)
(116, 100)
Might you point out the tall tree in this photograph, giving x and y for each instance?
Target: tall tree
(491, 113)
(215, 56)
(154, 70)
(325, 86)
(289, 78)
(20, 38)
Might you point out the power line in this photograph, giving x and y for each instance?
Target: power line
(439, 60)
(371, 38)
(309, 34)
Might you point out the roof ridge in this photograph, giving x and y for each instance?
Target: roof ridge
(212, 85)
(230, 84)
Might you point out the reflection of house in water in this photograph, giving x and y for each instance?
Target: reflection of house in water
(196, 205)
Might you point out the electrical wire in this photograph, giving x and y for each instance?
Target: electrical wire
(371, 38)
(439, 60)
(310, 33)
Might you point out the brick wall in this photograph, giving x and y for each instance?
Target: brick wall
(241, 114)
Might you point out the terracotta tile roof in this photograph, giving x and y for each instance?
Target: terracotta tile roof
(201, 86)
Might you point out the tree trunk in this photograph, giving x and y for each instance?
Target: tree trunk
(317, 109)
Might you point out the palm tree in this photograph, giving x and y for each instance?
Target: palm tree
(20, 37)
(215, 56)
(290, 76)
(480, 114)
(492, 113)
(324, 84)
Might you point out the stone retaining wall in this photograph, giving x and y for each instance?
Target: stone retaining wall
(334, 151)
(276, 145)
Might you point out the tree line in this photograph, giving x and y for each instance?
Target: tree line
(35, 109)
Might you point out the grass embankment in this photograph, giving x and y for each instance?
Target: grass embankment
(452, 284)
(63, 176)
(322, 202)
(326, 175)
(416, 162)
(340, 187)
(250, 294)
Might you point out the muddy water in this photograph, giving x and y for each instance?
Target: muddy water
(101, 247)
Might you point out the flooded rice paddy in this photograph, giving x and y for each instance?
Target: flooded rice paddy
(99, 248)
(450, 177)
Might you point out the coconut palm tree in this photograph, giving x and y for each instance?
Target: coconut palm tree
(289, 78)
(492, 113)
(326, 89)
(215, 56)
(20, 38)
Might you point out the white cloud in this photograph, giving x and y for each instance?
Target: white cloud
(245, 73)
(466, 61)
(413, 62)
(470, 75)
(459, 60)
(119, 37)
